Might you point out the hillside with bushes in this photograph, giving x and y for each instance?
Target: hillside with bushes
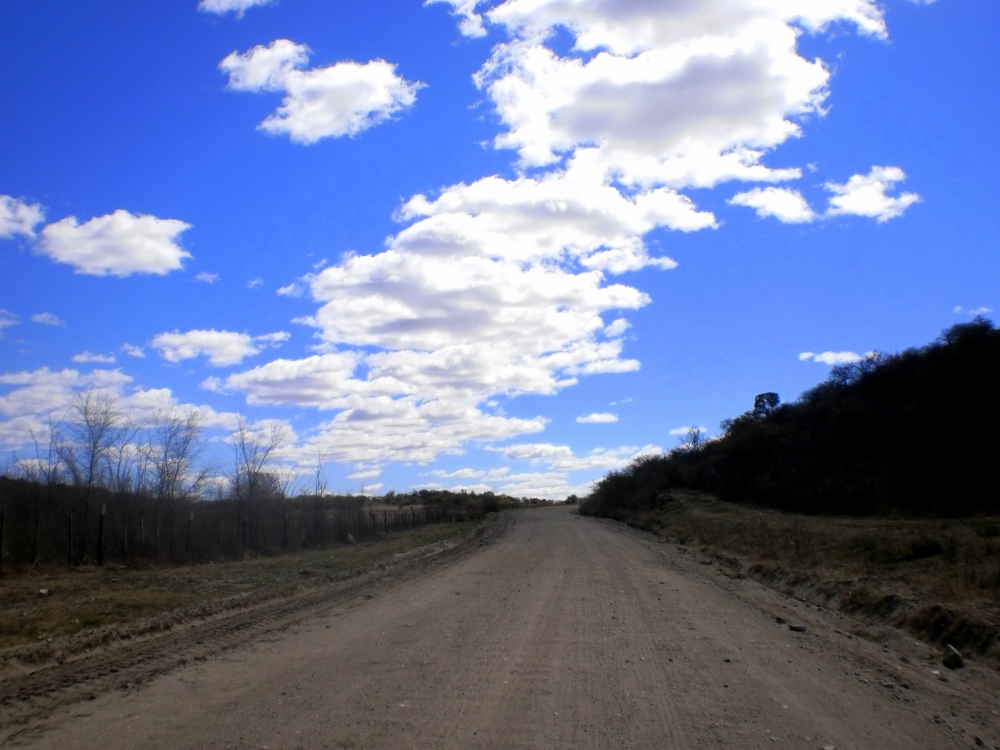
(912, 433)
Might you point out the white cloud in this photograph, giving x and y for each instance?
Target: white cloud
(221, 7)
(598, 418)
(786, 205)
(501, 287)
(677, 431)
(553, 482)
(222, 348)
(617, 327)
(831, 358)
(206, 277)
(85, 357)
(133, 351)
(19, 218)
(980, 311)
(366, 473)
(562, 458)
(865, 195)
(470, 23)
(212, 384)
(254, 283)
(7, 320)
(342, 99)
(47, 319)
(37, 395)
(680, 94)
(119, 244)
(861, 195)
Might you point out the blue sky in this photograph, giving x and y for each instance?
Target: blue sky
(434, 238)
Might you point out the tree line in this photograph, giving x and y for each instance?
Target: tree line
(912, 433)
(99, 485)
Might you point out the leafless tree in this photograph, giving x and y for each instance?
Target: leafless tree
(174, 447)
(46, 468)
(693, 440)
(84, 444)
(252, 484)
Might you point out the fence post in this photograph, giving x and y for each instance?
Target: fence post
(142, 532)
(187, 541)
(69, 540)
(100, 537)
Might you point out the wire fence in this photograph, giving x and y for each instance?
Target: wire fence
(70, 526)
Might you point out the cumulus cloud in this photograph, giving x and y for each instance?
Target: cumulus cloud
(117, 244)
(19, 218)
(133, 351)
(553, 481)
(865, 195)
(598, 418)
(221, 7)
(679, 94)
(678, 431)
(34, 397)
(206, 277)
(562, 457)
(504, 286)
(364, 472)
(7, 320)
(470, 23)
(254, 283)
(346, 98)
(788, 206)
(861, 195)
(85, 357)
(831, 358)
(222, 348)
(47, 319)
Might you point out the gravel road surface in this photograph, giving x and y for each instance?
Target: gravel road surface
(563, 632)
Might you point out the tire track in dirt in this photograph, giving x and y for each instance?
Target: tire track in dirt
(566, 632)
(129, 664)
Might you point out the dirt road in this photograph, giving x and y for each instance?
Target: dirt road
(565, 632)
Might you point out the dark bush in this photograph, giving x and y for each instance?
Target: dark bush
(913, 433)
(921, 548)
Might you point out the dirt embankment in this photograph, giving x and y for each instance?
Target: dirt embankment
(564, 632)
(937, 579)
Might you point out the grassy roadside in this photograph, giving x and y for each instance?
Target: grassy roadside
(87, 598)
(938, 578)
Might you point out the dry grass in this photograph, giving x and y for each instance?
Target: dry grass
(91, 597)
(954, 563)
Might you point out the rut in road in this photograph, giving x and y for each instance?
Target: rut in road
(566, 632)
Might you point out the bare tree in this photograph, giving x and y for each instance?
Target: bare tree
(127, 471)
(85, 443)
(693, 440)
(175, 444)
(253, 450)
(46, 468)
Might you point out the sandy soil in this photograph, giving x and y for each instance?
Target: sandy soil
(563, 632)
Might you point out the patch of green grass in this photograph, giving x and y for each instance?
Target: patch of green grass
(86, 598)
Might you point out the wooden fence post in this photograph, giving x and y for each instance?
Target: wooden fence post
(100, 537)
